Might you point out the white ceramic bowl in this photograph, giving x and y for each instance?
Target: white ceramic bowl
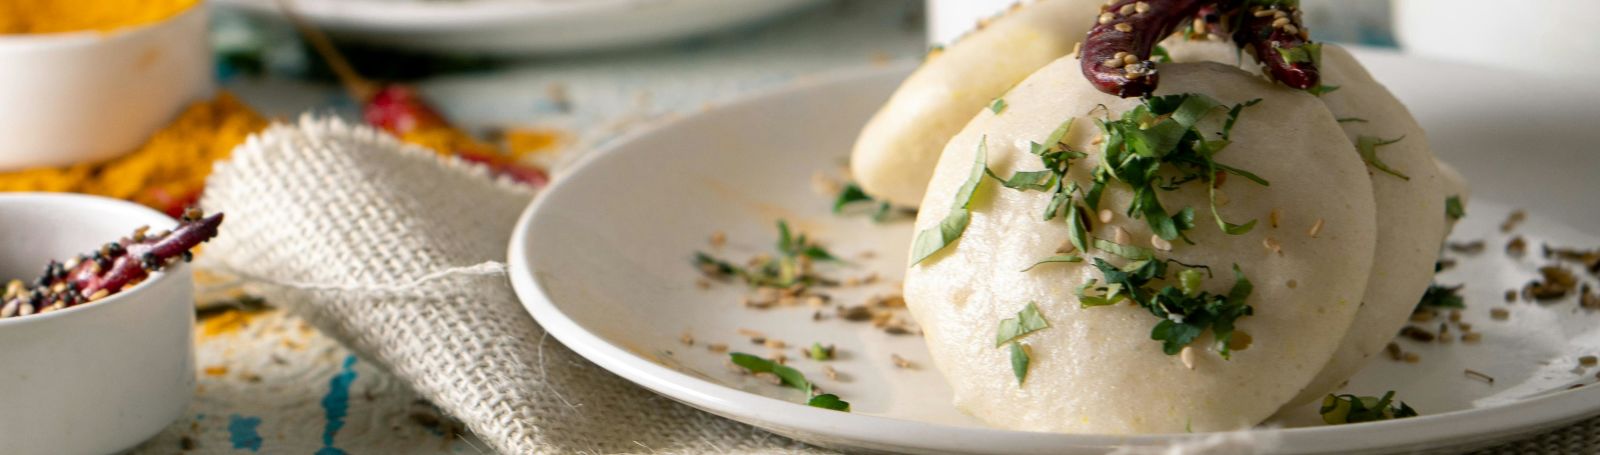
(1553, 38)
(99, 377)
(85, 96)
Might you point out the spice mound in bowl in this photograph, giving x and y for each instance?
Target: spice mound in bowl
(107, 344)
(85, 81)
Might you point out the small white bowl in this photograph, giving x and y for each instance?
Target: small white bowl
(79, 97)
(102, 376)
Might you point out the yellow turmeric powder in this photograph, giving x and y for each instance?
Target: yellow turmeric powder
(58, 16)
(168, 171)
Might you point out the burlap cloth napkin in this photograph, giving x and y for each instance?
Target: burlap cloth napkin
(398, 253)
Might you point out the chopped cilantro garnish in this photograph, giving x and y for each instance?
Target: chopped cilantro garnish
(820, 352)
(1011, 332)
(998, 105)
(1304, 53)
(1322, 89)
(933, 239)
(1453, 208)
(1128, 252)
(1442, 297)
(1060, 258)
(829, 401)
(783, 271)
(1368, 146)
(1020, 358)
(852, 194)
(790, 377)
(1341, 409)
(1184, 314)
(1160, 54)
(1027, 321)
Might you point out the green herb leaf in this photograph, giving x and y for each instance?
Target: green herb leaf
(1322, 89)
(931, 240)
(790, 376)
(1060, 258)
(1342, 409)
(1304, 53)
(1128, 252)
(849, 195)
(1020, 358)
(1076, 233)
(1352, 120)
(1184, 314)
(1453, 208)
(829, 401)
(820, 352)
(1027, 321)
(1031, 181)
(1160, 54)
(1368, 146)
(998, 105)
(1190, 281)
(1442, 297)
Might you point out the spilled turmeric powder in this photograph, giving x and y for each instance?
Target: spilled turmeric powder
(58, 16)
(168, 171)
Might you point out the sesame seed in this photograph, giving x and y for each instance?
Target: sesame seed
(718, 238)
(1077, 49)
(1471, 337)
(1106, 216)
(1106, 18)
(901, 362)
(1499, 314)
(1316, 228)
(1511, 295)
(775, 343)
(1114, 63)
(1455, 315)
(1412, 357)
(1123, 27)
(1127, 10)
(828, 370)
(1272, 217)
(1263, 12)
(1187, 356)
(1133, 73)
(1291, 29)
(1199, 25)
(1422, 316)
(1130, 59)
(1160, 243)
(1394, 351)
(687, 339)
(1120, 235)
(1588, 360)
(751, 333)
(717, 347)
(1120, 55)
(1465, 326)
(1293, 284)
(1141, 7)
(1280, 22)
(1279, 13)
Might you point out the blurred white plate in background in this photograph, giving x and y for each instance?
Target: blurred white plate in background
(513, 27)
(602, 261)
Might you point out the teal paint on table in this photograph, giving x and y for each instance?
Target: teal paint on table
(242, 431)
(336, 405)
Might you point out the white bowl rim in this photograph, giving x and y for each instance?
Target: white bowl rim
(443, 16)
(33, 41)
(1466, 425)
(119, 297)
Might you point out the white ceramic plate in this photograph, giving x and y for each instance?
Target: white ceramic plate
(523, 26)
(602, 260)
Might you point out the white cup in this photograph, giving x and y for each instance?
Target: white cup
(102, 376)
(86, 96)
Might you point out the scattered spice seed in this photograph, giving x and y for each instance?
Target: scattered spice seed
(1394, 351)
(1412, 357)
(775, 344)
(1588, 299)
(1471, 337)
(857, 313)
(750, 333)
(687, 338)
(901, 362)
(1293, 284)
(1588, 360)
(1557, 283)
(1455, 315)
(1511, 295)
(1516, 217)
(1316, 228)
(1475, 374)
(1423, 315)
(717, 347)
(718, 239)
(1272, 217)
(830, 372)
(1473, 247)
(1187, 356)
(1465, 326)
(1106, 215)
(702, 283)
(1499, 314)
(1272, 245)
(1516, 247)
(1417, 333)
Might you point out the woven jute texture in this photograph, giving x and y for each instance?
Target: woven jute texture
(397, 253)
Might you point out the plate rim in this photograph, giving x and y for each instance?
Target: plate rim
(1455, 429)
